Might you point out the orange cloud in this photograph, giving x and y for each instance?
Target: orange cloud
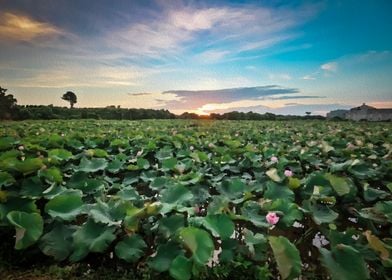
(23, 28)
(381, 104)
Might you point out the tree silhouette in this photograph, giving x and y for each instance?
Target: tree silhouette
(308, 113)
(70, 97)
(7, 104)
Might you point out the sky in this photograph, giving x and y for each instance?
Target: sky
(283, 57)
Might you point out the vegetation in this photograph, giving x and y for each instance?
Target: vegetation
(42, 112)
(70, 97)
(116, 113)
(7, 104)
(197, 199)
(109, 113)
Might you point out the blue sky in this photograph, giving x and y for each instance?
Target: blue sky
(285, 57)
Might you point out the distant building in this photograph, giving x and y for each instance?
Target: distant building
(363, 112)
(341, 114)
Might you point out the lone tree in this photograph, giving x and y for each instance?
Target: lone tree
(308, 113)
(70, 97)
(7, 104)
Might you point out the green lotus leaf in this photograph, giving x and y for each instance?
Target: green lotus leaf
(52, 175)
(80, 180)
(320, 213)
(219, 204)
(32, 187)
(131, 248)
(142, 163)
(372, 194)
(286, 256)
(257, 245)
(57, 243)
(344, 263)
(181, 268)
(65, 206)
(341, 185)
(176, 194)
(97, 153)
(165, 255)
(159, 183)
(234, 188)
(91, 237)
(17, 204)
(385, 207)
(122, 143)
(199, 156)
(58, 155)
(164, 154)
(220, 225)
(199, 242)
(362, 171)
(7, 142)
(111, 213)
(169, 226)
(251, 211)
(28, 227)
(11, 154)
(93, 165)
(115, 166)
(6, 179)
(294, 183)
(275, 191)
(29, 165)
(228, 250)
(129, 194)
(169, 164)
(317, 179)
(190, 178)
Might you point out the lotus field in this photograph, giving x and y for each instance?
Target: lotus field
(280, 200)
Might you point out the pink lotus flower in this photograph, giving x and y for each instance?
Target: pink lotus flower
(350, 146)
(288, 173)
(274, 159)
(272, 218)
(197, 209)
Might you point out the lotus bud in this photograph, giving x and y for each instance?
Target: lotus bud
(272, 218)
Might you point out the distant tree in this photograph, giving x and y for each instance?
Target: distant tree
(7, 104)
(70, 97)
(308, 113)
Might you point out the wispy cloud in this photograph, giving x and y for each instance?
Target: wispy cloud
(104, 76)
(280, 77)
(175, 31)
(195, 99)
(211, 56)
(20, 27)
(330, 66)
(309, 77)
(351, 62)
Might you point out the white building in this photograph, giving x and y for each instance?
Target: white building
(363, 112)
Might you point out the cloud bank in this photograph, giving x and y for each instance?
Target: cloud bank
(205, 101)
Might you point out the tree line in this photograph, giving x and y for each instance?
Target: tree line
(10, 110)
